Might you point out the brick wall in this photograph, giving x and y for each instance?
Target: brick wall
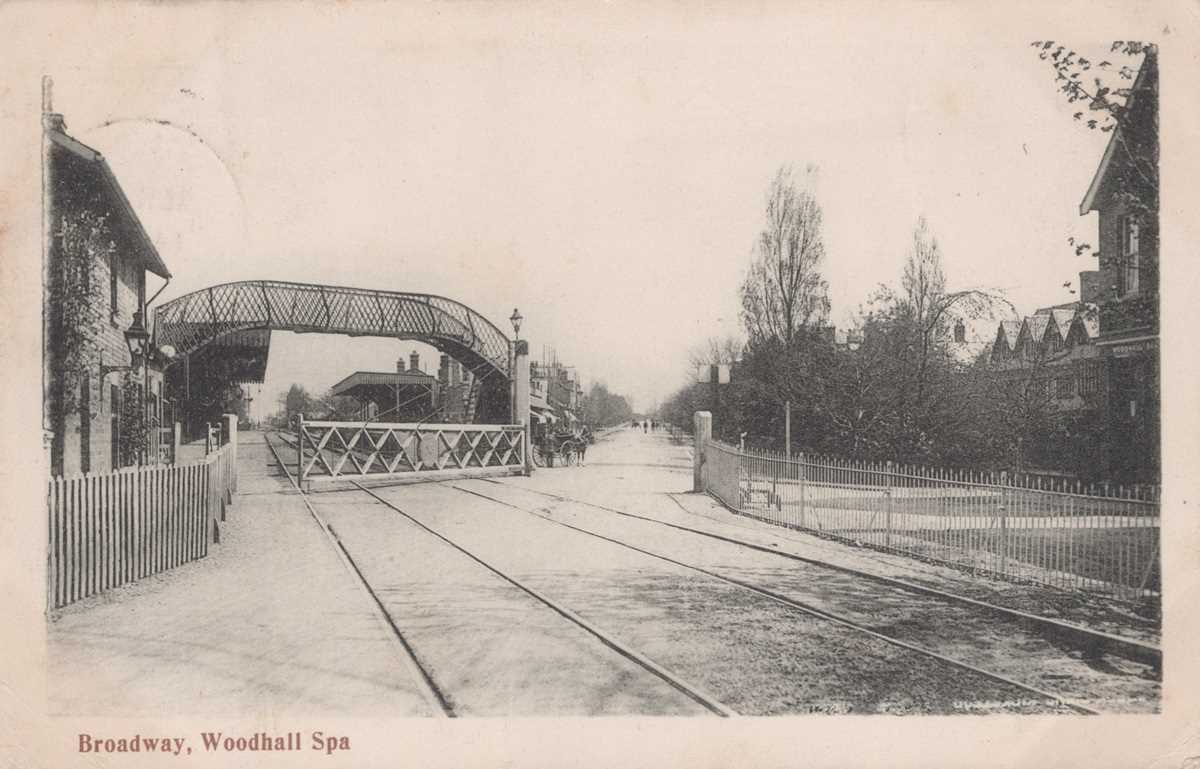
(112, 350)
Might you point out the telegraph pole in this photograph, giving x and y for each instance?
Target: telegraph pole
(787, 428)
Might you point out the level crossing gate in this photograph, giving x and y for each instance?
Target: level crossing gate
(331, 451)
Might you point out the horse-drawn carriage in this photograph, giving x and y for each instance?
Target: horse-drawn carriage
(559, 447)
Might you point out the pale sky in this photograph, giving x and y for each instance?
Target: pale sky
(606, 175)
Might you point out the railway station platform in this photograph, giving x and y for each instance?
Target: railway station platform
(263, 625)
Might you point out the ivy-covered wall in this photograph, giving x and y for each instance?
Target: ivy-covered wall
(86, 245)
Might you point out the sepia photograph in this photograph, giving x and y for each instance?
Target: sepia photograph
(505, 384)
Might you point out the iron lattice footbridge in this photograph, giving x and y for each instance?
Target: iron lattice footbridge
(196, 319)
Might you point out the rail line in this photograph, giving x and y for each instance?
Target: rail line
(805, 608)
(692, 691)
(420, 674)
(1090, 641)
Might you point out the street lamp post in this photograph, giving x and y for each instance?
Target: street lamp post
(516, 319)
(136, 339)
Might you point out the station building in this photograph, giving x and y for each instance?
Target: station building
(102, 379)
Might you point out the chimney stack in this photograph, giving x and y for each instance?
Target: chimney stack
(414, 362)
(399, 365)
(444, 369)
(1089, 286)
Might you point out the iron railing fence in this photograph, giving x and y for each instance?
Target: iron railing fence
(1097, 539)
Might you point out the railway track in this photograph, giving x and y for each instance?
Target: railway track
(1089, 641)
(433, 692)
(760, 591)
(805, 608)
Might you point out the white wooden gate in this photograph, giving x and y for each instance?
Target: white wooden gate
(358, 450)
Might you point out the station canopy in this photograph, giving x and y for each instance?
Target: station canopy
(381, 386)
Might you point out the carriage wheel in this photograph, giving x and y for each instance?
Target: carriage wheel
(539, 458)
(570, 456)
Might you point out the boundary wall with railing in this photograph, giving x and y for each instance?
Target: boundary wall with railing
(110, 529)
(1106, 541)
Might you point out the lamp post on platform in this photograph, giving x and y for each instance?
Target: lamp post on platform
(136, 339)
(520, 386)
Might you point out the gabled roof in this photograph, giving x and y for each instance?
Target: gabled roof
(1149, 64)
(1011, 330)
(106, 181)
(1036, 325)
(1090, 318)
(1062, 321)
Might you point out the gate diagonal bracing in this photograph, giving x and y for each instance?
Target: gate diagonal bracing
(356, 450)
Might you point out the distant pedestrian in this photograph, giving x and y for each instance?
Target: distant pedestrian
(645, 426)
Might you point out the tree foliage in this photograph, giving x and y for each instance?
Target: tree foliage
(899, 386)
(137, 424)
(602, 408)
(84, 246)
(1113, 99)
(784, 290)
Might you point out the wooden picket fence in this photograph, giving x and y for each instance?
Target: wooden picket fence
(109, 529)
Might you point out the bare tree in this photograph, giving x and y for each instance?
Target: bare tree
(715, 351)
(783, 290)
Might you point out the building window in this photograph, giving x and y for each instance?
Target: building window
(1129, 255)
(114, 267)
(1089, 379)
(960, 331)
(1064, 387)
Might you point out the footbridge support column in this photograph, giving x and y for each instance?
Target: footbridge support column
(521, 396)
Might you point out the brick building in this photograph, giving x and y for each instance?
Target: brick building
(1124, 195)
(97, 260)
(1097, 360)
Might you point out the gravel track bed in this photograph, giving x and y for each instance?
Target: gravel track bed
(993, 643)
(755, 655)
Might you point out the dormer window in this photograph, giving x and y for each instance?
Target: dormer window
(1129, 255)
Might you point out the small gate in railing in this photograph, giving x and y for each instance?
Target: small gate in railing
(212, 437)
(357, 450)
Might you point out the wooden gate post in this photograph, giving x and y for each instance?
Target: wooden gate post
(176, 442)
(702, 434)
(231, 426)
(300, 452)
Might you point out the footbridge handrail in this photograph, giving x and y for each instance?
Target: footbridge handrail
(193, 320)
